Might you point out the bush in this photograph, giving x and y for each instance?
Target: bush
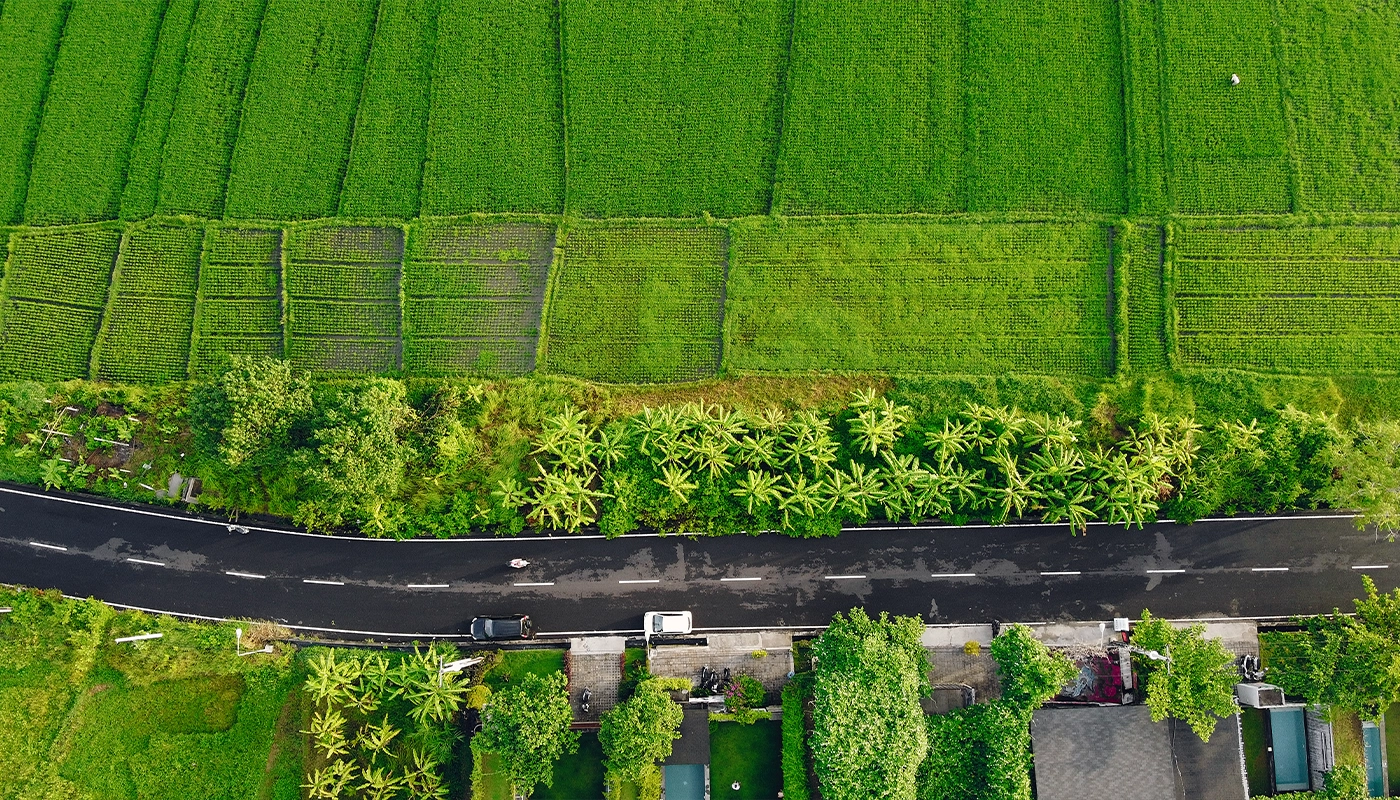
(982, 752)
(795, 696)
(743, 692)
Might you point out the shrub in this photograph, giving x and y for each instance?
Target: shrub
(795, 696)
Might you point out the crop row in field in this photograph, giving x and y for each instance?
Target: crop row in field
(909, 297)
(54, 295)
(647, 301)
(473, 296)
(1321, 300)
(239, 307)
(146, 330)
(142, 191)
(342, 287)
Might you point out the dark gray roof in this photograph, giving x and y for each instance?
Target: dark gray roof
(1118, 753)
(694, 745)
(1209, 771)
(1101, 753)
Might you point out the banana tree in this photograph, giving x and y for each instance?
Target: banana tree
(375, 739)
(379, 784)
(877, 424)
(422, 779)
(567, 438)
(857, 491)
(435, 699)
(808, 498)
(711, 454)
(330, 678)
(757, 489)
(758, 449)
(677, 481)
(328, 731)
(955, 439)
(902, 472)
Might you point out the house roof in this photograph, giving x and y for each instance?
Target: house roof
(1118, 753)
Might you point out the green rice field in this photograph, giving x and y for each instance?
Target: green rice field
(653, 192)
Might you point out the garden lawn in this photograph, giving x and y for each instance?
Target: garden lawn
(489, 783)
(1256, 752)
(748, 754)
(516, 664)
(578, 776)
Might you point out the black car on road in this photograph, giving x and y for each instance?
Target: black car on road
(513, 626)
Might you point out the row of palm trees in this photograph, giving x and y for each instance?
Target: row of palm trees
(363, 751)
(989, 462)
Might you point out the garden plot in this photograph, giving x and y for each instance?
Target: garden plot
(1137, 258)
(145, 335)
(91, 111)
(55, 291)
(386, 158)
(874, 118)
(343, 298)
(1044, 106)
(1342, 90)
(29, 34)
(299, 110)
(908, 297)
(1298, 300)
(473, 296)
(495, 130)
(239, 311)
(638, 303)
(204, 124)
(1227, 144)
(673, 107)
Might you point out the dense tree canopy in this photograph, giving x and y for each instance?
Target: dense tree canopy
(1030, 672)
(869, 734)
(527, 726)
(1348, 661)
(640, 732)
(1197, 684)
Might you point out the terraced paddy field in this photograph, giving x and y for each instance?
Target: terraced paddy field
(663, 192)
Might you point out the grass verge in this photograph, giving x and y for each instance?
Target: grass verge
(750, 755)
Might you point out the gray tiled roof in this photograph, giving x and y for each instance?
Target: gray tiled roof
(1118, 753)
(694, 745)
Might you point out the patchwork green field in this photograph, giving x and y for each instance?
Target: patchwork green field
(651, 192)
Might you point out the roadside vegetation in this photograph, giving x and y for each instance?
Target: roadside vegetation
(392, 457)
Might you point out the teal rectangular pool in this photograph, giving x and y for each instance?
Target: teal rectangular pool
(685, 782)
(1375, 776)
(1290, 743)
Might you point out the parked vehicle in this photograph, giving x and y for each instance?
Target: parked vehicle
(665, 623)
(503, 628)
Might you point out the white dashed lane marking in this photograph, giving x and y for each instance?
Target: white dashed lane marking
(427, 585)
(845, 577)
(542, 583)
(146, 562)
(1268, 569)
(732, 580)
(244, 574)
(323, 583)
(49, 546)
(648, 580)
(1060, 574)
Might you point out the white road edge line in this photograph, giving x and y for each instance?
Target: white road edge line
(49, 546)
(541, 583)
(1165, 571)
(953, 575)
(146, 562)
(244, 574)
(428, 585)
(646, 580)
(844, 577)
(1268, 569)
(1372, 566)
(732, 580)
(1058, 574)
(322, 583)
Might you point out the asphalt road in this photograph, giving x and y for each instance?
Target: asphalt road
(163, 560)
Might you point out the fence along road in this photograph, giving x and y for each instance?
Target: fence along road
(161, 560)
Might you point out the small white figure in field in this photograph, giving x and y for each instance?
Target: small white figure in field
(1234, 79)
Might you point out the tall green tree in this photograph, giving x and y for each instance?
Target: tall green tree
(640, 732)
(868, 731)
(1196, 684)
(1030, 672)
(1352, 662)
(245, 416)
(527, 726)
(1367, 462)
